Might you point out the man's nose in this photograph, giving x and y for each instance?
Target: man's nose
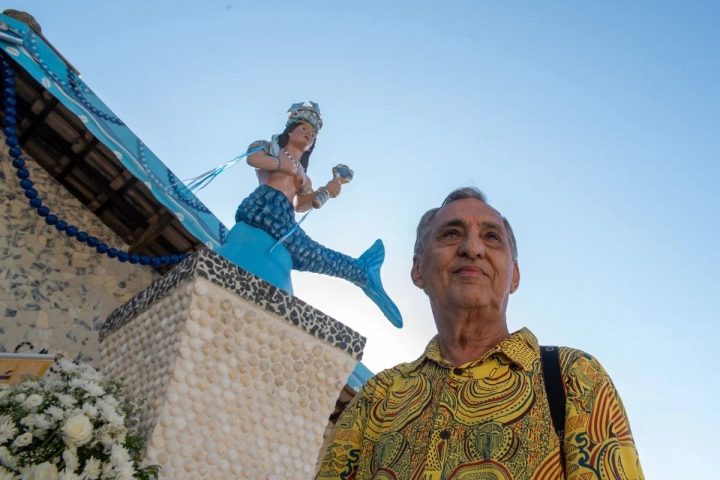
(471, 246)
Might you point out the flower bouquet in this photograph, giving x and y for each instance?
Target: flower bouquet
(69, 425)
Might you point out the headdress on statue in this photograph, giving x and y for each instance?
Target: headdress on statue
(308, 112)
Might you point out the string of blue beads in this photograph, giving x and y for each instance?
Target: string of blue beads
(33, 196)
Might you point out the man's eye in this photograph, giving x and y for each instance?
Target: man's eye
(450, 234)
(493, 236)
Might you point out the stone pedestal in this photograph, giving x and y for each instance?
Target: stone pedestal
(239, 376)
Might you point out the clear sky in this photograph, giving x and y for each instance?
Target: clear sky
(593, 126)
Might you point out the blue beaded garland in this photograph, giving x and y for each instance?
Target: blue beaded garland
(9, 123)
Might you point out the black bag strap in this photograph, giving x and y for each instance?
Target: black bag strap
(555, 390)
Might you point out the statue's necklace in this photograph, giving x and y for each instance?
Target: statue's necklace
(289, 156)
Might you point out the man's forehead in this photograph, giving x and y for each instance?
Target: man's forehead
(467, 210)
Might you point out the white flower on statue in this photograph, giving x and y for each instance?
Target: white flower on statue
(44, 471)
(7, 428)
(77, 430)
(93, 468)
(23, 440)
(20, 397)
(33, 401)
(93, 389)
(108, 470)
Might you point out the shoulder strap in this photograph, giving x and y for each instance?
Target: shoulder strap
(554, 387)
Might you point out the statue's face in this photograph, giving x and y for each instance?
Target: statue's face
(302, 136)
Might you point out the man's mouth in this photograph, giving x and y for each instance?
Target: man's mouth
(468, 271)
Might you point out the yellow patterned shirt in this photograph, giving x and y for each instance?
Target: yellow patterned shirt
(487, 419)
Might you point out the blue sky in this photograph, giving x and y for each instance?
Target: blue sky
(593, 126)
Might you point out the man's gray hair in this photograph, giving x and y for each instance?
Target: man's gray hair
(455, 195)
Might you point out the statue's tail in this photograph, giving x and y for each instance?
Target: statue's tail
(371, 261)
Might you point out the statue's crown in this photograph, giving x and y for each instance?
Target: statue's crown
(308, 112)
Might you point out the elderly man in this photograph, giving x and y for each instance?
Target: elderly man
(477, 404)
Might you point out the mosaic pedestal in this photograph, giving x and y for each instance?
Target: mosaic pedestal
(240, 377)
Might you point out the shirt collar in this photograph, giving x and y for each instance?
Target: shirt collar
(521, 348)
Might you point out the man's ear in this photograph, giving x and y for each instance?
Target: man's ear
(515, 283)
(416, 274)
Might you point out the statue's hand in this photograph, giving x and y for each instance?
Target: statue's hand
(288, 167)
(333, 187)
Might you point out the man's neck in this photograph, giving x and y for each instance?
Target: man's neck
(466, 337)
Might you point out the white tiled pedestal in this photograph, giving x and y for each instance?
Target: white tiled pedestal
(239, 376)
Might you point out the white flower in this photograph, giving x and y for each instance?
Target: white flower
(90, 410)
(126, 471)
(107, 470)
(28, 420)
(71, 459)
(119, 455)
(43, 422)
(44, 471)
(7, 428)
(20, 397)
(4, 392)
(7, 474)
(109, 414)
(112, 401)
(65, 400)
(56, 413)
(93, 389)
(67, 475)
(77, 430)
(7, 458)
(92, 469)
(33, 401)
(23, 440)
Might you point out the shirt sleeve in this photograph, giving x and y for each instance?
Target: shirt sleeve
(342, 456)
(598, 441)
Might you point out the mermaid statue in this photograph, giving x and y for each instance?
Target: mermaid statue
(266, 218)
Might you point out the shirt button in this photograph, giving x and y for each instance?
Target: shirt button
(458, 371)
(445, 434)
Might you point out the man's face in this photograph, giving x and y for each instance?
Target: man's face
(302, 135)
(466, 262)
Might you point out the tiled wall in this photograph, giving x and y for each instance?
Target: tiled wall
(55, 292)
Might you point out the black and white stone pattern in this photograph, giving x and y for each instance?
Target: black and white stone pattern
(211, 266)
